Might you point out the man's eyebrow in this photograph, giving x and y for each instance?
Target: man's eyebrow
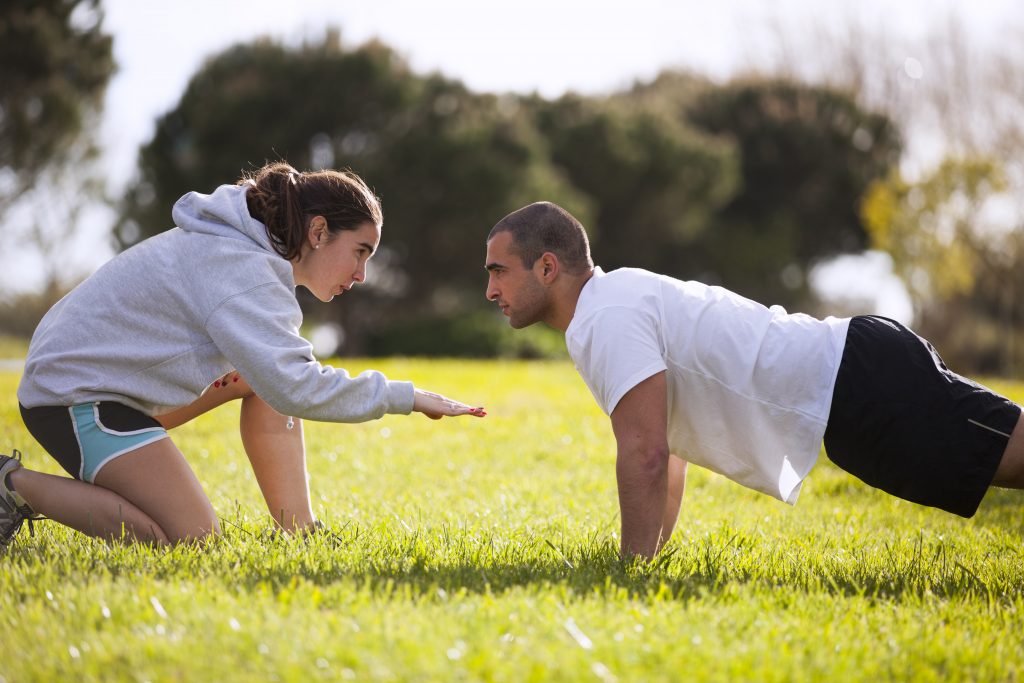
(494, 265)
(367, 246)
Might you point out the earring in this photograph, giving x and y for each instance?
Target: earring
(316, 246)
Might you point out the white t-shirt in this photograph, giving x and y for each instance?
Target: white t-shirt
(749, 387)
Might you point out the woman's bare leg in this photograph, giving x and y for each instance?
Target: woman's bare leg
(157, 479)
(149, 494)
(277, 454)
(278, 458)
(93, 510)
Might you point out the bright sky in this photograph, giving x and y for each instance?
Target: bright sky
(548, 46)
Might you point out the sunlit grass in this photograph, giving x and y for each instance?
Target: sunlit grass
(486, 550)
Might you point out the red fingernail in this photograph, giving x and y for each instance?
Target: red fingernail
(217, 383)
(235, 379)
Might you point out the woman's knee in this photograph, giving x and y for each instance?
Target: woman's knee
(158, 481)
(199, 523)
(141, 527)
(196, 532)
(136, 527)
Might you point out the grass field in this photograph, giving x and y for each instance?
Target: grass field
(487, 550)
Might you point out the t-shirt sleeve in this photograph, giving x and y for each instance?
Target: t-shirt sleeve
(615, 349)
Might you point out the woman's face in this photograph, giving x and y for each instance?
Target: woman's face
(333, 264)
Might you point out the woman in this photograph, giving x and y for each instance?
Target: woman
(181, 323)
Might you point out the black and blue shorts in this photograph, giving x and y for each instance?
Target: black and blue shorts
(903, 422)
(85, 437)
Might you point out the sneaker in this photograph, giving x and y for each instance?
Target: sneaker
(13, 508)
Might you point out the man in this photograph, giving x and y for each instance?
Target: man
(747, 391)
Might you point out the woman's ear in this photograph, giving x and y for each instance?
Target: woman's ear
(318, 233)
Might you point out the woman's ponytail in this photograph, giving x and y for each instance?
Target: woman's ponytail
(285, 200)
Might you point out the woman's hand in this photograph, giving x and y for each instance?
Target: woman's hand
(436, 406)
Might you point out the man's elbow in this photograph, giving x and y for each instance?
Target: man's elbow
(655, 462)
(648, 464)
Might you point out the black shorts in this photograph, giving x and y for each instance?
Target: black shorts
(903, 422)
(83, 438)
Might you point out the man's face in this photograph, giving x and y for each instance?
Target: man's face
(516, 289)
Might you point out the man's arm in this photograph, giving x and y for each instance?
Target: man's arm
(640, 424)
(676, 485)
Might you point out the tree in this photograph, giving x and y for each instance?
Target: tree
(678, 175)
(447, 163)
(958, 102)
(960, 267)
(259, 102)
(808, 155)
(43, 227)
(55, 62)
(654, 181)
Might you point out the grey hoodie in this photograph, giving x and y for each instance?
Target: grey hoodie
(157, 324)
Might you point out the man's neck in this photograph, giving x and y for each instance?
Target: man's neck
(564, 307)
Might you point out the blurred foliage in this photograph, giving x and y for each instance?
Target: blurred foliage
(654, 181)
(55, 62)
(446, 162)
(956, 94)
(478, 334)
(731, 184)
(807, 156)
(928, 227)
(12, 347)
(21, 313)
(961, 273)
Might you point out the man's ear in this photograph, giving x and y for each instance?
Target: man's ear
(548, 267)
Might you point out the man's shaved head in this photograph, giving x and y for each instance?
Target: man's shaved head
(545, 227)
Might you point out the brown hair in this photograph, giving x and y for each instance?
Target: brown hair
(542, 227)
(285, 200)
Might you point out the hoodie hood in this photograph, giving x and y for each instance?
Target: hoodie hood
(157, 324)
(223, 214)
